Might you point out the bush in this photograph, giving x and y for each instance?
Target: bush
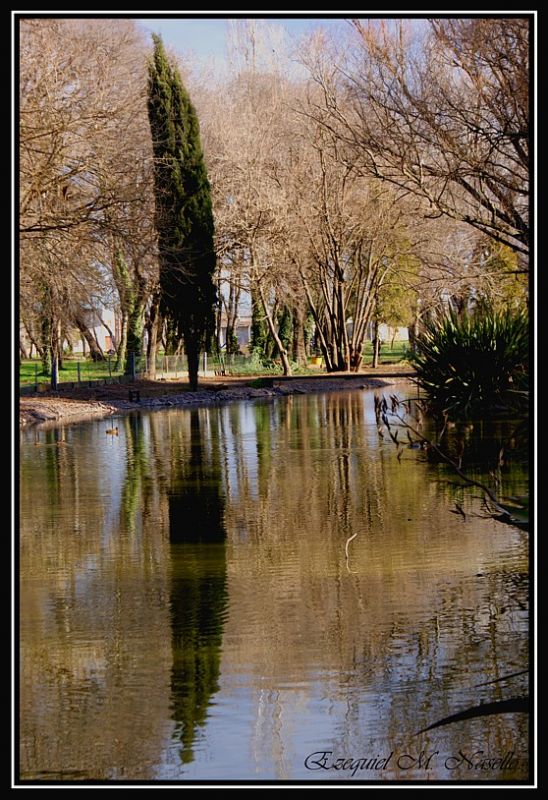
(474, 363)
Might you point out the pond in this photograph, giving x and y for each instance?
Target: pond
(188, 611)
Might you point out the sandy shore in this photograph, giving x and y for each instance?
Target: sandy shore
(56, 408)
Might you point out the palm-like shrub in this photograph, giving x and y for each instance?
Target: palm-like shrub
(474, 363)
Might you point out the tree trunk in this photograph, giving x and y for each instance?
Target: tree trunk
(134, 335)
(335, 333)
(22, 349)
(219, 320)
(356, 358)
(109, 331)
(193, 358)
(122, 346)
(319, 329)
(68, 340)
(46, 331)
(32, 339)
(154, 324)
(299, 339)
(131, 291)
(414, 328)
(231, 307)
(376, 345)
(95, 351)
(58, 344)
(230, 344)
(344, 349)
(274, 333)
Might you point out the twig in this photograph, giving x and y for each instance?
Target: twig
(347, 543)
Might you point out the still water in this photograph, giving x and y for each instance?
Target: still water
(188, 611)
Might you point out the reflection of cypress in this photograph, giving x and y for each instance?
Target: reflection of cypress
(196, 503)
(198, 603)
(198, 588)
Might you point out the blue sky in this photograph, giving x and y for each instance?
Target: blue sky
(205, 38)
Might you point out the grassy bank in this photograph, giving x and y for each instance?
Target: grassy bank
(30, 370)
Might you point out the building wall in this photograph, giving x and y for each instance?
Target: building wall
(386, 332)
(243, 334)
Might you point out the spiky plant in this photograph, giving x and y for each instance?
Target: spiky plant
(474, 363)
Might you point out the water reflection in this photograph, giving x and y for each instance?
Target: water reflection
(198, 605)
(195, 498)
(198, 579)
(187, 610)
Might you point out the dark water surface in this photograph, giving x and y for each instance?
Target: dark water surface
(187, 610)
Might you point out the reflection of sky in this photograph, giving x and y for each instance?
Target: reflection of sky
(240, 443)
(272, 731)
(112, 478)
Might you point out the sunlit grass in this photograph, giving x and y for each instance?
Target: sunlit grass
(30, 371)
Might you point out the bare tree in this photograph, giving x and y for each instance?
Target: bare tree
(245, 143)
(441, 114)
(350, 235)
(85, 182)
(321, 207)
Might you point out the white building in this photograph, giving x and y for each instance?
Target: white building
(242, 331)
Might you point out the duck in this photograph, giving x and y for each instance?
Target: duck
(112, 431)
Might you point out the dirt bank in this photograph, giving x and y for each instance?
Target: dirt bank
(107, 400)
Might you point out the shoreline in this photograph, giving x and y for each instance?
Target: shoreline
(55, 409)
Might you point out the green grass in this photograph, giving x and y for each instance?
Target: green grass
(89, 371)
(388, 355)
(30, 370)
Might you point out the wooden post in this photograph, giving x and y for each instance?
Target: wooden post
(78, 372)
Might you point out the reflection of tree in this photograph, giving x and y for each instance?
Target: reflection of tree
(196, 504)
(421, 607)
(116, 606)
(198, 603)
(198, 584)
(136, 469)
(92, 595)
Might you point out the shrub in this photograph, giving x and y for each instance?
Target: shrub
(474, 362)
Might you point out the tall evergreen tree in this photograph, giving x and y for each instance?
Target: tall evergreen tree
(184, 217)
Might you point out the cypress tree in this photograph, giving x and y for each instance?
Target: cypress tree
(184, 217)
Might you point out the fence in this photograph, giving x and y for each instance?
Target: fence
(85, 372)
(211, 365)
